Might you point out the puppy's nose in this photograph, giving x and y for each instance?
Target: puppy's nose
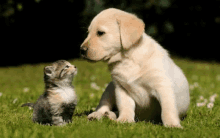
(83, 50)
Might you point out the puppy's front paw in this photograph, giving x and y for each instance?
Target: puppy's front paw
(125, 119)
(111, 115)
(171, 121)
(95, 115)
(176, 126)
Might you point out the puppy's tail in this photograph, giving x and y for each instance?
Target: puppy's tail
(28, 104)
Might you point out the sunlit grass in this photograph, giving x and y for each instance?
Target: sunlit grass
(23, 84)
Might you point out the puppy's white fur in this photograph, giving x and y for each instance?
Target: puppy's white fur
(146, 83)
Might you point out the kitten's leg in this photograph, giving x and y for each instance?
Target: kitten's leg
(105, 105)
(125, 104)
(68, 114)
(58, 121)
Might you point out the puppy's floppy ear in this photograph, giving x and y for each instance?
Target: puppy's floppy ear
(131, 28)
(48, 70)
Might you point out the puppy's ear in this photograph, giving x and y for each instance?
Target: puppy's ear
(131, 28)
(48, 70)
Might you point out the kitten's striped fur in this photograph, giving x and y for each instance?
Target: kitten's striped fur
(56, 105)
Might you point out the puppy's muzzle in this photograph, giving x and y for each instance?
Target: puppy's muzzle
(83, 51)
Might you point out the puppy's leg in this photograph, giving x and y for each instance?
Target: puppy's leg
(105, 105)
(167, 100)
(125, 104)
(111, 115)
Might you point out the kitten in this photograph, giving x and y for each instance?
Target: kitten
(56, 105)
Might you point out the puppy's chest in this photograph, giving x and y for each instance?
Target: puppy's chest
(125, 72)
(125, 75)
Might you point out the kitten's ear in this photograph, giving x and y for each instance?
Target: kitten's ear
(48, 70)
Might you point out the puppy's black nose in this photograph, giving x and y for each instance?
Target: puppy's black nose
(83, 50)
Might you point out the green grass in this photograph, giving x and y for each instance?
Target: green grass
(15, 121)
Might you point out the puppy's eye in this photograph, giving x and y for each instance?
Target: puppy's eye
(100, 33)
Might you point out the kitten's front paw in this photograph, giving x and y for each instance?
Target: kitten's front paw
(58, 121)
(125, 119)
(111, 115)
(60, 124)
(95, 115)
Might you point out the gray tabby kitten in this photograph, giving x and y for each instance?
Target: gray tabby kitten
(56, 105)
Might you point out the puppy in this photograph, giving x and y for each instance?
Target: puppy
(146, 83)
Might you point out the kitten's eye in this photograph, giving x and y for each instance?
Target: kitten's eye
(67, 66)
(100, 33)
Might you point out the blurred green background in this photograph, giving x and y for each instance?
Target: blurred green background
(44, 30)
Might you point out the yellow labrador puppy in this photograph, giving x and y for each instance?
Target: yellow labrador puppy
(146, 83)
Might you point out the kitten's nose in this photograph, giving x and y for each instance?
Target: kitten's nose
(83, 50)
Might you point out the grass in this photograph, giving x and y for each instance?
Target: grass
(24, 83)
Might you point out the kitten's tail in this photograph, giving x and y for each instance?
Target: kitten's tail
(28, 104)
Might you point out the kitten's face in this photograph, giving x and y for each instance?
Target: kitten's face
(60, 70)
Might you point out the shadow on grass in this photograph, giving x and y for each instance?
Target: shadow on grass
(157, 121)
(85, 113)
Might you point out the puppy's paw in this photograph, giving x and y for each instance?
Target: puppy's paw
(111, 115)
(176, 126)
(171, 120)
(95, 116)
(172, 123)
(125, 119)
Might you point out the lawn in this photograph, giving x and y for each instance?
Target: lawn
(24, 83)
